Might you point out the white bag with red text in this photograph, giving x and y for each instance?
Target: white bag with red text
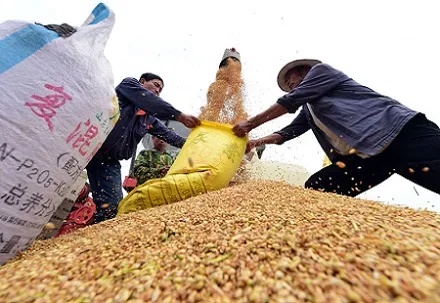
(58, 105)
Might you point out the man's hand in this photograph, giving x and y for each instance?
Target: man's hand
(188, 120)
(241, 129)
(251, 145)
(274, 138)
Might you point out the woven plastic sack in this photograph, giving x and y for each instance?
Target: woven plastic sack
(208, 161)
(58, 105)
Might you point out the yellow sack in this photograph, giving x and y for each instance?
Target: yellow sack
(208, 161)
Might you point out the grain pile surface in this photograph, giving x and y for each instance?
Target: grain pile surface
(254, 242)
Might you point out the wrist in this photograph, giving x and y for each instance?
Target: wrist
(179, 117)
(271, 139)
(276, 138)
(253, 123)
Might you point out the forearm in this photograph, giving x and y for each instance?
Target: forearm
(173, 139)
(159, 130)
(270, 139)
(295, 129)
(271, 113)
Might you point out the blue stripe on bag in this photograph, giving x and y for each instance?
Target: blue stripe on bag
(22, 44)
(101, 12)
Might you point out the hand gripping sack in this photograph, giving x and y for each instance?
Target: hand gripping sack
(58, 105)
(208, 161)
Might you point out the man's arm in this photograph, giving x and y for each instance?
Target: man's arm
(131, 90)
(298, 127)
(271, 113)
(295, 129)
(158, 129)
(318, 81)
(243, 128)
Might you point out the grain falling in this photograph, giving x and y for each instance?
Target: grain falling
(225, 102)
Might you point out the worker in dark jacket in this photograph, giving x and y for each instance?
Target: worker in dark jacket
(367, 136)
(141, 108)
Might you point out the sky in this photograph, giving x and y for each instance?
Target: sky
(389, 46)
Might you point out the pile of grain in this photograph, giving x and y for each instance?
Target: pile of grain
(256, 242)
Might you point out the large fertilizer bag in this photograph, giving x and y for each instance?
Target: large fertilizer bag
(208, 161)
(58, 105)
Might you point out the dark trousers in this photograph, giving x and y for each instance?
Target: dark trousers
(106, 186)
(414, 154)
